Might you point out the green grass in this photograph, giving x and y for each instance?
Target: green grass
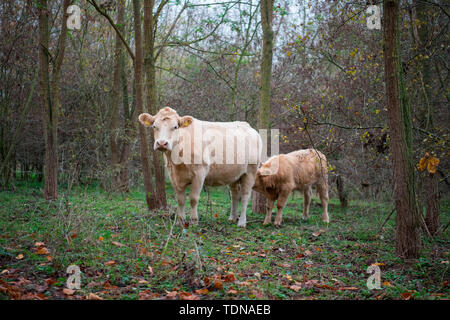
(291, 262)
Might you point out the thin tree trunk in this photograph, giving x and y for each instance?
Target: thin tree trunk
(149, 44)
(400, 125)
(138, 65)
(50, 95)
(114, 126)
(341, 192)
(259, 201)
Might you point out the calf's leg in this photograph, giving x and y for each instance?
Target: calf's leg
(281, 202)
(269, 207)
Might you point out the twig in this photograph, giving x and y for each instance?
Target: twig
(386, 220)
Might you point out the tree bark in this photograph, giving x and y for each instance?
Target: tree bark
(341, 192)
(259, 201)
(114, 126)
(150, 71)
(49, 85)
(432, 218)
(400, 125)
(138, 66)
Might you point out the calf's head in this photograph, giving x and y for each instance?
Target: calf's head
(165, 126)
(266, 176)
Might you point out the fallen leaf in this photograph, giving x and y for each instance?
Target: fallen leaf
(387, 284)
(49, 258)
(118, 244)
(100, 238)
(218, 284)
(295, 287)
(229, 277)
(93, 296)
(188, 296)
(50, 281)
(232, 291)
(68, 292)
(19, 257)
(171, 294)
(39, 244)
(42, 251)
(348, 288)
(110, 263)
(202, 291)
(378, 264)
(407, 295)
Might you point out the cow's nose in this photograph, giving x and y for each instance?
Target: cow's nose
(162, 144)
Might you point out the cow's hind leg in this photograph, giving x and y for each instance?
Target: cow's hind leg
(322, 189)
(307, 193)
(246, 182)
(234, 188)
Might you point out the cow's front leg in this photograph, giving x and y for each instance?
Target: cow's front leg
(181, 199)
(269, 208)
(194, 196)
(281, 202)
(234, 202)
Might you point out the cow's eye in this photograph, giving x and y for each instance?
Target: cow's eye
(176, 127)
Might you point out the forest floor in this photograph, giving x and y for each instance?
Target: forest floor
(126, 252)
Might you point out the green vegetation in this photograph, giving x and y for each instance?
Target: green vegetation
(126, 252)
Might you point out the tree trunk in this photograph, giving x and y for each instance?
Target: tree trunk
(138, 65)
(400, 125)
(341, 192)
(50, 95)
(432, 218)
(259, 201)
(149, 44)
(114, 126)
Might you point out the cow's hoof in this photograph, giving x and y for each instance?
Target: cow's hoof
(194, 222)
(181, 222)
(242, 224)
(233, 220)
(327, 220)
(277, 224)
(304, 218)
(265, 223)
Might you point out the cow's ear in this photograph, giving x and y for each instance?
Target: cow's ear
(146, 119)
(185, 121)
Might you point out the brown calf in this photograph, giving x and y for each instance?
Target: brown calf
(298, 170)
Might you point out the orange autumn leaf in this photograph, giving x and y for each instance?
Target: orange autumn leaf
(202, 291)
(229, 277)
(295, 287)
(232, 291)
(387, 284)
(19, 257)
(428, 162)
(218, 284)
(110, 263)
(171, 294)
(42, 250)
(100, 238)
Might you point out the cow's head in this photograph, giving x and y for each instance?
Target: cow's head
(165, 126)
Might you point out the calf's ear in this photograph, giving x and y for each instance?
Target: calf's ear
(185, 121)
(146, 119)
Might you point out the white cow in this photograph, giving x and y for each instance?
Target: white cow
(199, 152)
